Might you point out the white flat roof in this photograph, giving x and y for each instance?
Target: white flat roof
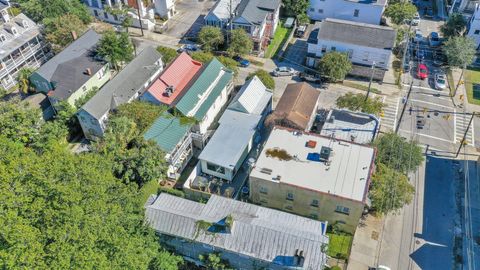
(346, 175)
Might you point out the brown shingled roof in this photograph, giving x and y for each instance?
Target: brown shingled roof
(296, 105)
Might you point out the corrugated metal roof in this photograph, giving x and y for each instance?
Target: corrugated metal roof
(229, 141)
(213, 79)
(222, 9)
(178, 74)
(259, 232)
(125, 85)
(252, 97)
(255, 11)
(167, 132)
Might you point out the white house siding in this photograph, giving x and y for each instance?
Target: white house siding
(358, 54)
(92, 127)
(165, 8)
(212, 113)
(345, 10)
(474, 27)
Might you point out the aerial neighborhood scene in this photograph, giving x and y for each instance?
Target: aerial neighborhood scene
(240, 134)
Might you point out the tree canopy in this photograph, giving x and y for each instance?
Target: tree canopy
(400, 11)
(115, 48)
(38, 10)
(397, 153)
(390, 190)
(296, 7)
(240, 43)
(18, 122)
(59, 30)
(264, 77)
(460, 51)
(455, 26)
(357, 102)
(168, 54)
(335, 66)
(142, 113)
(210, 37)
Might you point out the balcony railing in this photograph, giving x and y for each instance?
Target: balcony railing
(177, 153)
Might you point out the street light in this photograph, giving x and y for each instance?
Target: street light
(370, 83)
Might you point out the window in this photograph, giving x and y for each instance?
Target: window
(476, 32)
(320, 11)
(263, 190)
(289, 196)
(350, 53)
(215, 168)
(356, 12)
(334, 48)
(314, 203)
(324, 49)
(365, 56)
(2, 38)
(312, 9)
(343, 210)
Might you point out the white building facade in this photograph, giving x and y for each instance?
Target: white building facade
(165, 8)
(474, 27)
(366, 11)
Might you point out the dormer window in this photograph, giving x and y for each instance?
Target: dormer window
(3, 38)
(25, 24)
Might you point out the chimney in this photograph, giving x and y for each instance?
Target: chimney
(74, 35)
(88, 71)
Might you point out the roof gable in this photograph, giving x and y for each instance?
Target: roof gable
(252, 97)
(167, 131)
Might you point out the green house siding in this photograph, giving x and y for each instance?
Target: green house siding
(204, 81)
(167, 132)
(40, 83)
(94, 81)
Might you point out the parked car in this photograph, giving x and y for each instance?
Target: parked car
(418, 36)
(300, 31)
(310, 77)
(440, 81)
(380, 267)
(422, 71)
(241, 61)
(283, 71)
(421, 55)
(439, 59)
(420, 121)
(416, 19)
(188, 48)
(434, 39)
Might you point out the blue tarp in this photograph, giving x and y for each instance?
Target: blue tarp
(313, 157)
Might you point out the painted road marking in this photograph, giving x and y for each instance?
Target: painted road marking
(425, 135)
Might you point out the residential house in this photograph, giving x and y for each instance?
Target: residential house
(474, 27)
(315, 176)
(165, 8)
(247, 236)
(346, 125)
(465, 7)
(40, 101)
(73, 72)
(170, 86)
(259, 18)
(99, 9)
(297, 107)
(363, 11)
(174, 138)
(128, 85)
(366, 44)
(238, 137)
(205, 98)
(21, 46)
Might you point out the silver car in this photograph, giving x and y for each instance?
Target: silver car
(440, 81)
(283, 71)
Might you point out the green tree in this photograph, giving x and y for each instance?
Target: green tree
(295, 7)
(214, 261)
(356, 102)
(23, 78)
(59, 30)
(303, 18)
(122, 13)
(115, 48)
(335, 66)
(142, 113)
(38, 10)
(455, 26)
(400, 11)
(86, 97)
(390, 190)
(210, 37)
(165, 261)
(203, 57)
(460, 52)
(168, 54)
(240, 43)
(62, 210)
(18, 122)
(397, 153)
(264, 77)
(229, 63)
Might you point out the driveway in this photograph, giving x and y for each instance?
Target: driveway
(189, 18)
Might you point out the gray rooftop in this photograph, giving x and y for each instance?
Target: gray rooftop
(369, 2)
(347, 173)
(14, 42)
(229, 141)
(253, 97)
(255, 11)
(126, 84)
(362, 34)
(258, 232)
(221, 10)
(3, 5)
(347, 125)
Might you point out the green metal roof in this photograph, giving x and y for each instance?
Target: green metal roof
(203, 82)
(167, 132)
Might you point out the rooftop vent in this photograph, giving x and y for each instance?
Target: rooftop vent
(325, 153)
(266, 171)
(169, 91)
(311, 144)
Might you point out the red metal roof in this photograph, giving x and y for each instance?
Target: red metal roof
(178, 74)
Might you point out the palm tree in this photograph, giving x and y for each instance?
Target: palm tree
(23, 76)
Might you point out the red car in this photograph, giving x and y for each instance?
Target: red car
(422, 71)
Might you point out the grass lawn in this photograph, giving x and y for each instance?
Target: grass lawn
(279, 38)
(339, 246)
(148, 189)
(472, 77)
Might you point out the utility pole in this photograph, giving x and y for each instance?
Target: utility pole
(139, 18)
(404, 107)
(462, 143)
(459, 80)
(370, 83)
(230, 16)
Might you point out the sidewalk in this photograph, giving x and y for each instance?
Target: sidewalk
(365, 244)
